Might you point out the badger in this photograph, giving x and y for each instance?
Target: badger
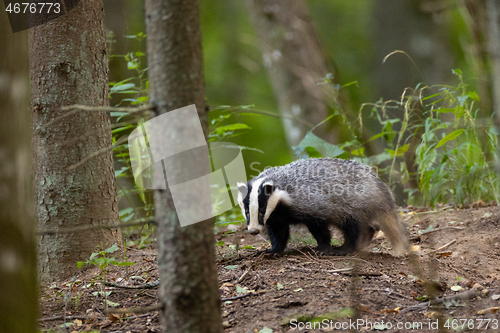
(322, 192)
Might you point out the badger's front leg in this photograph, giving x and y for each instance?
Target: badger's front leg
(278, 233)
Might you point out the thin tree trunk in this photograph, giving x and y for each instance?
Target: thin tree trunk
(296, 64)
(69, 65)
(186, 264)
(18, 283)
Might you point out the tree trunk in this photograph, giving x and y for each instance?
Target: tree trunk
(69, 65)
(296, 64)
(18, 284)
(188, 276)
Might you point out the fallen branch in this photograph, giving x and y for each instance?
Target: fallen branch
(439, 229)
(462, 296)
(245, 273)
(444, 246)
(62, 317)
(340, 270)
(251, 293)
(154, 307)
(97, 226)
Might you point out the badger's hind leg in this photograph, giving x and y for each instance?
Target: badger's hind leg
(319, 229)
(356, 237)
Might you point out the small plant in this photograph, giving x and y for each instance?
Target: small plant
(434, 146)
(102, 260)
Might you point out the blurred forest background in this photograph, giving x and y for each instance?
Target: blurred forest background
(434, 142)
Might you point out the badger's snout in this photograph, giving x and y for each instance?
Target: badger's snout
(253, 231)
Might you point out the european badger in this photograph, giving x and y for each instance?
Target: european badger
(319, 192)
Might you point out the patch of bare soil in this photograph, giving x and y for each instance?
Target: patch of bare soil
(456, 260)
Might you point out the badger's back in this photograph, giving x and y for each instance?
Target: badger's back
(331, 188)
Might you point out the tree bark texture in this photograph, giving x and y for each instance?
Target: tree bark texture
(419, 29)
(296, 64)
(18, 283)
(189, 287)
(69, 65)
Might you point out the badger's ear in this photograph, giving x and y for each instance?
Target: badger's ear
(242, 192)
(268, 187)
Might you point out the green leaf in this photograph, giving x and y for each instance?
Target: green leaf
(80, 264)
(220, 243)
(462, 99)
(313, 152)
(112, 248)
(266, 330)
(429, 97)
(112, 304)
(231, 267)
(324, 148)
(279, 286)
(232, 127)
(445, 110)
(401, 150)
(449, 137)
(358, 152)
(241, 290)
(120, 87)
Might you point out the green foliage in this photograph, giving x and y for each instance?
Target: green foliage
(101, 260)
(437, 131)
(138, 198)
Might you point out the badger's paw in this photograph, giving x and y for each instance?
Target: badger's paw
(340, 251)
(272, 255)
(323, 250)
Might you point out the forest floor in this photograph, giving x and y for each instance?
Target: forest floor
(456, 256)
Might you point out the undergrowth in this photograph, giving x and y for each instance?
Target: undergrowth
(434, 144)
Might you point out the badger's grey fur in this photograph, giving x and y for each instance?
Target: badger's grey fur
(318, 193)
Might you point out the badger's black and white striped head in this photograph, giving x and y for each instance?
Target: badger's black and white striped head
(258, 200)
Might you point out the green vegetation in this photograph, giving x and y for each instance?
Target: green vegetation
(100, 259)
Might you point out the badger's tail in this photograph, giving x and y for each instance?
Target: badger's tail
(390, 224)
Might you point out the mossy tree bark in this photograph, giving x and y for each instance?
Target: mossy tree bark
(18, 283)
(69, 65)
(186, 264)
(296, 64)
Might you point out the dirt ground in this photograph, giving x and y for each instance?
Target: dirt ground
(456, 256)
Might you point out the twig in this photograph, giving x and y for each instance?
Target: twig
(108, 108)
(97, 226)
(443, 247)
(62, 317)
(245, 273)
(99, 152)
(75, 108)
(235, 297)
(439, 229)
(389, 292)
(154, 307)
(250, 293)
(340, 270)
(462, 296)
